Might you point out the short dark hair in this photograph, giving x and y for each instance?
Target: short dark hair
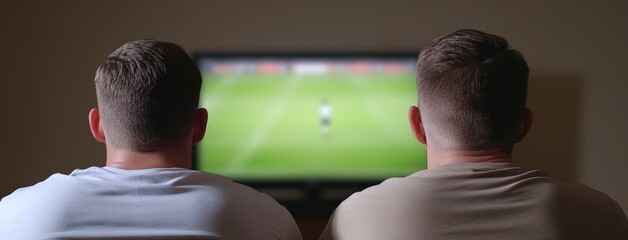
(147, 93)
(472, 91)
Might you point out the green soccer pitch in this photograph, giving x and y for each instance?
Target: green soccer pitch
(268, 127)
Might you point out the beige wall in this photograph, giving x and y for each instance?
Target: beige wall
(576, 51)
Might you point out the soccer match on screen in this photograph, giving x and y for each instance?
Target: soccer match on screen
(331, 118)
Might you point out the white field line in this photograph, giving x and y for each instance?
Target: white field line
(264, 125)
(216, 92)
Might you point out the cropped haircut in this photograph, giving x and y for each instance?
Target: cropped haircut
(147, 93)
(472, 91)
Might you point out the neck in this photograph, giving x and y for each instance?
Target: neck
(163, 158)
(436, 157)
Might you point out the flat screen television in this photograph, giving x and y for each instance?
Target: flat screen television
(308, 129)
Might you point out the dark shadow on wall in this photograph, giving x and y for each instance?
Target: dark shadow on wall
(553, 143)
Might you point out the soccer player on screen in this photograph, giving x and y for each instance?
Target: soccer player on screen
(325, 112)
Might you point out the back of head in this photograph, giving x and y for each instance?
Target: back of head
(147, 94)
(472, 91)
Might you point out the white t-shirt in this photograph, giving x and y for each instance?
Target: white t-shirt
(160, 203)
(477, 201)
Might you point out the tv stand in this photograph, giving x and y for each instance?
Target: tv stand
(312, 198)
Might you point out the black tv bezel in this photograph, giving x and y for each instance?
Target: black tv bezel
(313, 204)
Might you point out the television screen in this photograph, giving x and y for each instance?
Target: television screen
(336, 117)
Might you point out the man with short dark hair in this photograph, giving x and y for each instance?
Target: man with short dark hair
(148, 119)
(472, 109)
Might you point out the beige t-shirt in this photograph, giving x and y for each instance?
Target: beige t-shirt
(477, 201)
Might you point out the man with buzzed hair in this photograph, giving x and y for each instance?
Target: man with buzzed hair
(472, 108)
(148, 118)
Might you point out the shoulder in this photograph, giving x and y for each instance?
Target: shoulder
(414, 185)
(588, 212)
(55, 183)
(261, 215)
(28, 208)
(364, 214)
(387, 188)
(57, 188)
(575, 193)
(393, 191)
(579, 196)
(233, 194)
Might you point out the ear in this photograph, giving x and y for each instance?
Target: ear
(417, 124)
(95, 125)
(200, 124)
(524, 126)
